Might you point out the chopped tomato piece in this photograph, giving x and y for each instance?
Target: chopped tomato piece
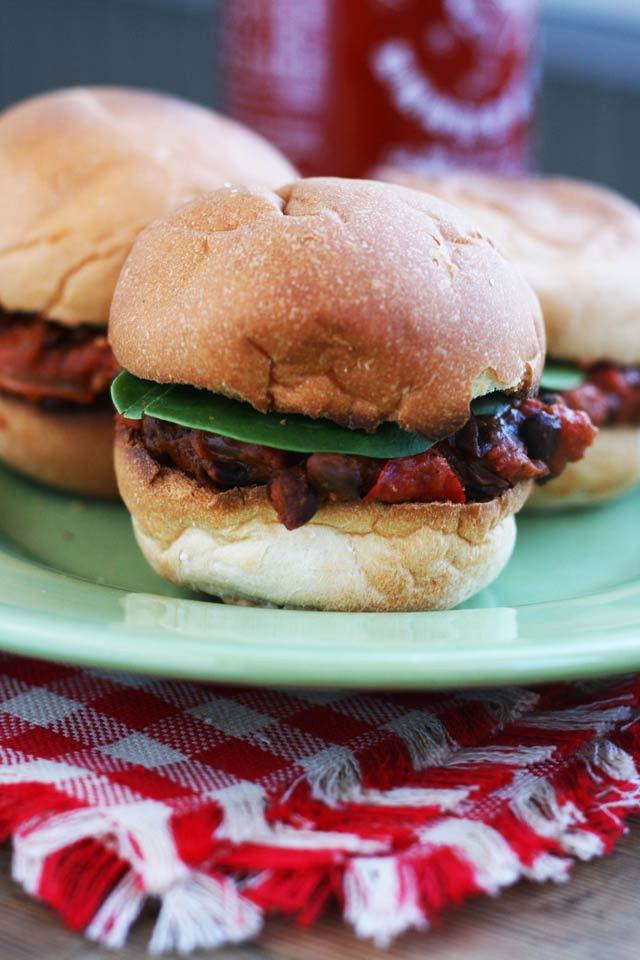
(427, 478)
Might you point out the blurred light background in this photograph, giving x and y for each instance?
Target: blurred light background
(589, 115)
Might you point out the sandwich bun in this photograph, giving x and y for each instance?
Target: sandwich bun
(609, 468)
(578, 245)
(349, 556)
(83, 170)
(353, 300)
(71, 450)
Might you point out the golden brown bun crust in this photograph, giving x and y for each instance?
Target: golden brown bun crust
(578, 245)
(609, 468)
(349, 299)
(71, 451)
(82, 171)
(350, 556)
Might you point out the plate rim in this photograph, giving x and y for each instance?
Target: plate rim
(117, 646)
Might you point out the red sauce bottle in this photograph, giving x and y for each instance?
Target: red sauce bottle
(342, 86)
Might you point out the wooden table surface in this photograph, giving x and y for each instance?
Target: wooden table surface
(595, 916)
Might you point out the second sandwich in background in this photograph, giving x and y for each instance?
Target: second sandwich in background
(578, 245)
(82, 171)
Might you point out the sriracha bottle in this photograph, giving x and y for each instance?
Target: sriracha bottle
(342, 86)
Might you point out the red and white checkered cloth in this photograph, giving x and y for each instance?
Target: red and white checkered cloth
(226, 804)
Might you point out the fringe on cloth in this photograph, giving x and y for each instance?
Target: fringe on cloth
(421, 808)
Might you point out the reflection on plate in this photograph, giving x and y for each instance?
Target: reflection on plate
(73, 586)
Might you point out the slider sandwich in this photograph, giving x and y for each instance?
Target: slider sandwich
(329, 398)
(578, 245)
(81, 173)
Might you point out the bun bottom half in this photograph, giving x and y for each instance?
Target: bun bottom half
(609, 468)
(71, 451)
(353, 556)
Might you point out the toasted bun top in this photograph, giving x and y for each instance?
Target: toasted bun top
(354, 300)
(82, 171)
(578, 245)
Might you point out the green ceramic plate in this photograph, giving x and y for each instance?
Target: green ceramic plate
(74, 587)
